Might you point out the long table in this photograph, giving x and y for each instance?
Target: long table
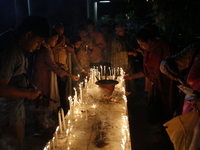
(97, 121)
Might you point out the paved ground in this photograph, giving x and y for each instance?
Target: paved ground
(142, 135)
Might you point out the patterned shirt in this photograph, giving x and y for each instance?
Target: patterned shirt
(13, 66)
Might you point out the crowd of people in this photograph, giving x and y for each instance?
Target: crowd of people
(38, 62)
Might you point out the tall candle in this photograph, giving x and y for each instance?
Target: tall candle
(53, 143)
(75, 97)
(101, 69)
(63, 119)
(56, 136)
(86, 83)
(81, 96)
(49, 146)
(104, 70)
(71, 107)
(99, 76)
(109, 71)
(59, 119)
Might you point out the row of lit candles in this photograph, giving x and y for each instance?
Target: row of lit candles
(53, 143)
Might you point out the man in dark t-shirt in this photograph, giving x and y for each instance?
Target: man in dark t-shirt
(14, 46)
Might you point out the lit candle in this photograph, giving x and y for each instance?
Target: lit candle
(99, 75)
(59, 119)
(86, 83)
(104, 70)
(53, 143)
(56, 136)
(63, 119)
(101, 70)
(80, 89)
(71, 107)
(109, 71)
(67, 134)
(75, 97)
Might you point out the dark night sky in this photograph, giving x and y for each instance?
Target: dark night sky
(69, 12)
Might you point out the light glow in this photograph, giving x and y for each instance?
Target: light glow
(104, 1)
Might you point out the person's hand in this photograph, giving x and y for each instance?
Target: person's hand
(33, 94)
(190, 93)
(60, 41)
(170, 69)
(75, 78)
(128, 77)
(132, 53)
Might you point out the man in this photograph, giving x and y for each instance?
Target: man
(14, 47)
(98, 45)
(63, 58)
(119, 56)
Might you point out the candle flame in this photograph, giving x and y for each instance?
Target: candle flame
(57, 128)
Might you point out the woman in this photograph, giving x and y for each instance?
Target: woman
(44, 77)
(163, 93)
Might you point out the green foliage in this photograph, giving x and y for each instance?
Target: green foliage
(179, 19)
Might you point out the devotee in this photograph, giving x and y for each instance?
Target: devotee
(172, 67)
(99, 44)
(163, 95)
(62, 55)
(44, 77)
(107, 33)
(15, 45)
(76, 41)
(82, 54)
(119, 56)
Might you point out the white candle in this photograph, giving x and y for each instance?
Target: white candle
(53, 143)
(56, 136)
(75, 97)
(109, 71)
(101, 69)
(71, 107)
(81, 96)
(86, 83)
(104, 70)
(63, 119)
(118, 72)
(49, 146)
(59, 119)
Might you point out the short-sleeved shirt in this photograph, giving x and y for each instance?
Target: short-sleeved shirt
(13, 66)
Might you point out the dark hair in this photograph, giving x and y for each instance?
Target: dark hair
(81, 27)
(74, 39)
(154, 29)
(144, 35)
(58, 25)
(89, 21)
(37, 24)
(53, 32)
(119, 24)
